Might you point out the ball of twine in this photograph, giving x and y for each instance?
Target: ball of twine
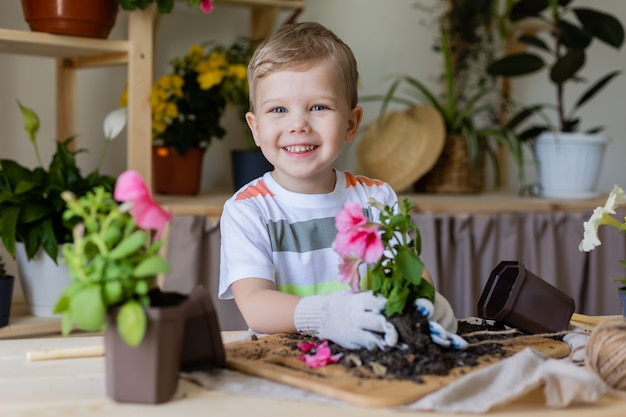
(606, 352)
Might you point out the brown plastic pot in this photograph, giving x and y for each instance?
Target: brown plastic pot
(91, 18)
(203, 348)
(518, 298)
(149, 372)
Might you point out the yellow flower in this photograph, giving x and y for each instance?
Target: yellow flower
(209, 79)
(239, 71)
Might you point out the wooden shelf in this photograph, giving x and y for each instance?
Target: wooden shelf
(61, 46)
(22, 324)
(210, 203)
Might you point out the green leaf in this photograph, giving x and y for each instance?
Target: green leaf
(594, 89)
(31, 122)
(113, 292)
(132, 322)
(152, 266)
(566, 67)
(516, 64)
(9, 218)
(129, 245)
(87, 308)
(602, 26)
(396, 301)
(410, 266)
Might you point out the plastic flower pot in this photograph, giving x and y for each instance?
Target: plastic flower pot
(518, 298)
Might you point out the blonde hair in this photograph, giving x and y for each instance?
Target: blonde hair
(298, 47)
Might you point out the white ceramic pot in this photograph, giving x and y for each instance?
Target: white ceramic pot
(42, 280)
(569, 164)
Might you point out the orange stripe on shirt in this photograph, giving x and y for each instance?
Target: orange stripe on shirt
(352, 180)
(257, 190)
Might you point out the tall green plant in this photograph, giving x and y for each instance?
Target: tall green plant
(561, 48)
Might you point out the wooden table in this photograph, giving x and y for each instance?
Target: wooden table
(73, 387)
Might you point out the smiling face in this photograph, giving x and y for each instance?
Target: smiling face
(301, 120)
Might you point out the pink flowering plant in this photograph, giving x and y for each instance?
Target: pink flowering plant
(389, 247)
(114, 259)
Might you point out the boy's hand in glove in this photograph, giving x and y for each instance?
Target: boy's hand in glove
(441, 320)
(352, 320)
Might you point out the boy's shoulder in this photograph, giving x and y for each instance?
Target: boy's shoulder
(354, 180)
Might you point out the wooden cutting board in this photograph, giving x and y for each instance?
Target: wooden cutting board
(271, 357)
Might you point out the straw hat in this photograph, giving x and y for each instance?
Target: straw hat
(404, 149)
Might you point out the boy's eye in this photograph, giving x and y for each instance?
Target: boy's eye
(278, 110)
(318, 107)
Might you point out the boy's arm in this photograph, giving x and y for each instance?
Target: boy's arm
(265, 309)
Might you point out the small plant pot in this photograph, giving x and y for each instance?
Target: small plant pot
(6, 298)
(90, 18)
(247, 166)
(149, 372)
(622, 297)
(518, 298)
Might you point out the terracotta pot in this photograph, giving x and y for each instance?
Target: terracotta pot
(149, 372)
(176, 174)
(92, 18)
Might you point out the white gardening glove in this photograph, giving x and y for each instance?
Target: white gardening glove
(352, 320)
(441, 321)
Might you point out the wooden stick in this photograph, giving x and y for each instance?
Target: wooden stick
(66, 353)
(581, 318)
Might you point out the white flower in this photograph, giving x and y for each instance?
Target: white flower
(600, 216)
(114, 123)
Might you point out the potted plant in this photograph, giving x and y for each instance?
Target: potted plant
(6, 294)
(32, 227)
(113, 264)
(187, 107)
(557, 36)
(467, 105)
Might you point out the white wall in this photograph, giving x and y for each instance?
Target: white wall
(387, 38)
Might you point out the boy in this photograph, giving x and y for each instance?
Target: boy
(277, 259)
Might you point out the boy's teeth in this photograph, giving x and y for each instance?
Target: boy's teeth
(300, 148)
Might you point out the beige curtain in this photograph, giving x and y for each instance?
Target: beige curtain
(460, 251)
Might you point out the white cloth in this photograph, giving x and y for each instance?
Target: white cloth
(563, 384)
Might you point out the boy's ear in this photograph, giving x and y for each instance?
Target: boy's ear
(251, 120)
(356, 116)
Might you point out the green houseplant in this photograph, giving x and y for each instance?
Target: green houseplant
(468, 100)
(113, 264)
(32, 227)
(31, 207)
(557, 35)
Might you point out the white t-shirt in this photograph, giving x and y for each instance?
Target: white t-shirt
(271, 233)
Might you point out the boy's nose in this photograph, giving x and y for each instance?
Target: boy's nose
(298, 123)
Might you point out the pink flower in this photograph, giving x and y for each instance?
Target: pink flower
(149, 215)
(322, 356)
(364, 242)
(350, 217)
(146, 212)
(349, 272)
(307, 347)
(130, 187)
(206, 6)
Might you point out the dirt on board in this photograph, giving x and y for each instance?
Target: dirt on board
(394, 376)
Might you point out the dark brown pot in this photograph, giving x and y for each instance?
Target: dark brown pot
(92, 18)
(176, 174)
(6, 298)
(518, 298)
(148, 373)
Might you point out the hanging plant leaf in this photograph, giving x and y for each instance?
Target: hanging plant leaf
(602, 26)
(566, 67)
(516, 64)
